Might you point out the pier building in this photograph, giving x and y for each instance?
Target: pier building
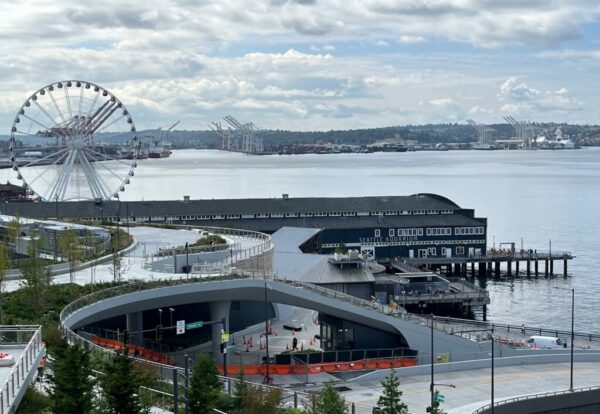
(418, 225)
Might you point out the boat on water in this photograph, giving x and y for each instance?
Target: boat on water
(482, 146)
(159, 150)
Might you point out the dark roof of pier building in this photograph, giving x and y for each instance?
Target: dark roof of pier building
(239, 206)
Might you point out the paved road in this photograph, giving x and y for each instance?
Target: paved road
(473, 387)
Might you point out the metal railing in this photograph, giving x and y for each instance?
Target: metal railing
(16, 378)
(533, 397)
(516, 328)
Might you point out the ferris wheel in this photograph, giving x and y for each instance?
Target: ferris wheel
(73, 140)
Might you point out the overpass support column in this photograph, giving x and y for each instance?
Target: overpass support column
(135, 326)
(218, 311)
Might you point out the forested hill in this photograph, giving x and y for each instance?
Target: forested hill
(431, 133)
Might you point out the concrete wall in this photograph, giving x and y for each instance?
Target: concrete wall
(530, 357)
(579, 402)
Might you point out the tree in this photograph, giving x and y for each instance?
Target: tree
(205, 386)
(120, 386)
(328, 401)
(72, 391)
(117, 265)
(240, 391)
(262, 400)
(389, 402)
(70, 250)
(341, 248)
(435, 407)
(36, 278)
(13, 231)
(4, 266)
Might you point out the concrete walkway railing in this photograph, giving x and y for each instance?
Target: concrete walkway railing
(11, 391)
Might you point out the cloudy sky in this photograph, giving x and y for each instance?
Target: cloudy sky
(311, 64)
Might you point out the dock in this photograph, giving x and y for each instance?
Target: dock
(517, 263)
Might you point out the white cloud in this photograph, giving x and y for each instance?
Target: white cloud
(525, 99)
(288, 59)
(411, 39)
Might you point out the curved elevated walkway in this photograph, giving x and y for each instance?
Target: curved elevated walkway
(150, 296)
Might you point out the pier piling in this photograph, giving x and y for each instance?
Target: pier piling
(536, 268)
(546, 268)
(528, 268)
(565, 268)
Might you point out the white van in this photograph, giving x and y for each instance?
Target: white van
(544, 342)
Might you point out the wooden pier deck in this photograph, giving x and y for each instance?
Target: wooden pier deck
(517, 263)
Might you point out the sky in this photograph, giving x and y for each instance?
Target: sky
(311, 64)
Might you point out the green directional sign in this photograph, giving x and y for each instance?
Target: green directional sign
(439, 397)
(194, 325)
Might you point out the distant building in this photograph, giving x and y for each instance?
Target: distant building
(12, 192)
(49, 232)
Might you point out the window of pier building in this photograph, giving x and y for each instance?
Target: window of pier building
(460, 250)
(464, 231)
(392, 232)
(377, 233)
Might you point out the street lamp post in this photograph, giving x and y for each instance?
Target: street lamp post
(572, 334)
(56, 204)
(187, 260)
(492, 385)
(160, 316)
(431, 386)
(171, 310)
(268, 378)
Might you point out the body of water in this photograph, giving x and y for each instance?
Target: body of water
(534, 195)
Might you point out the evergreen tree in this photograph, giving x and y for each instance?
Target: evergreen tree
(241, 389)
(328, 401)
(205, 386)
(120, 386)
(72, 391)
(435, 407)
(4, 266)
(389, 402)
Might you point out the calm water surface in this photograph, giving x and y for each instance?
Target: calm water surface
(534, 195)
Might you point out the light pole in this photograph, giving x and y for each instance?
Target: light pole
(268, 378)
(160, 316)
(431, 386)
(56, 204)
(171, 310)
(492, 385)
(550, 247)
(187, 260)
(572, 334)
